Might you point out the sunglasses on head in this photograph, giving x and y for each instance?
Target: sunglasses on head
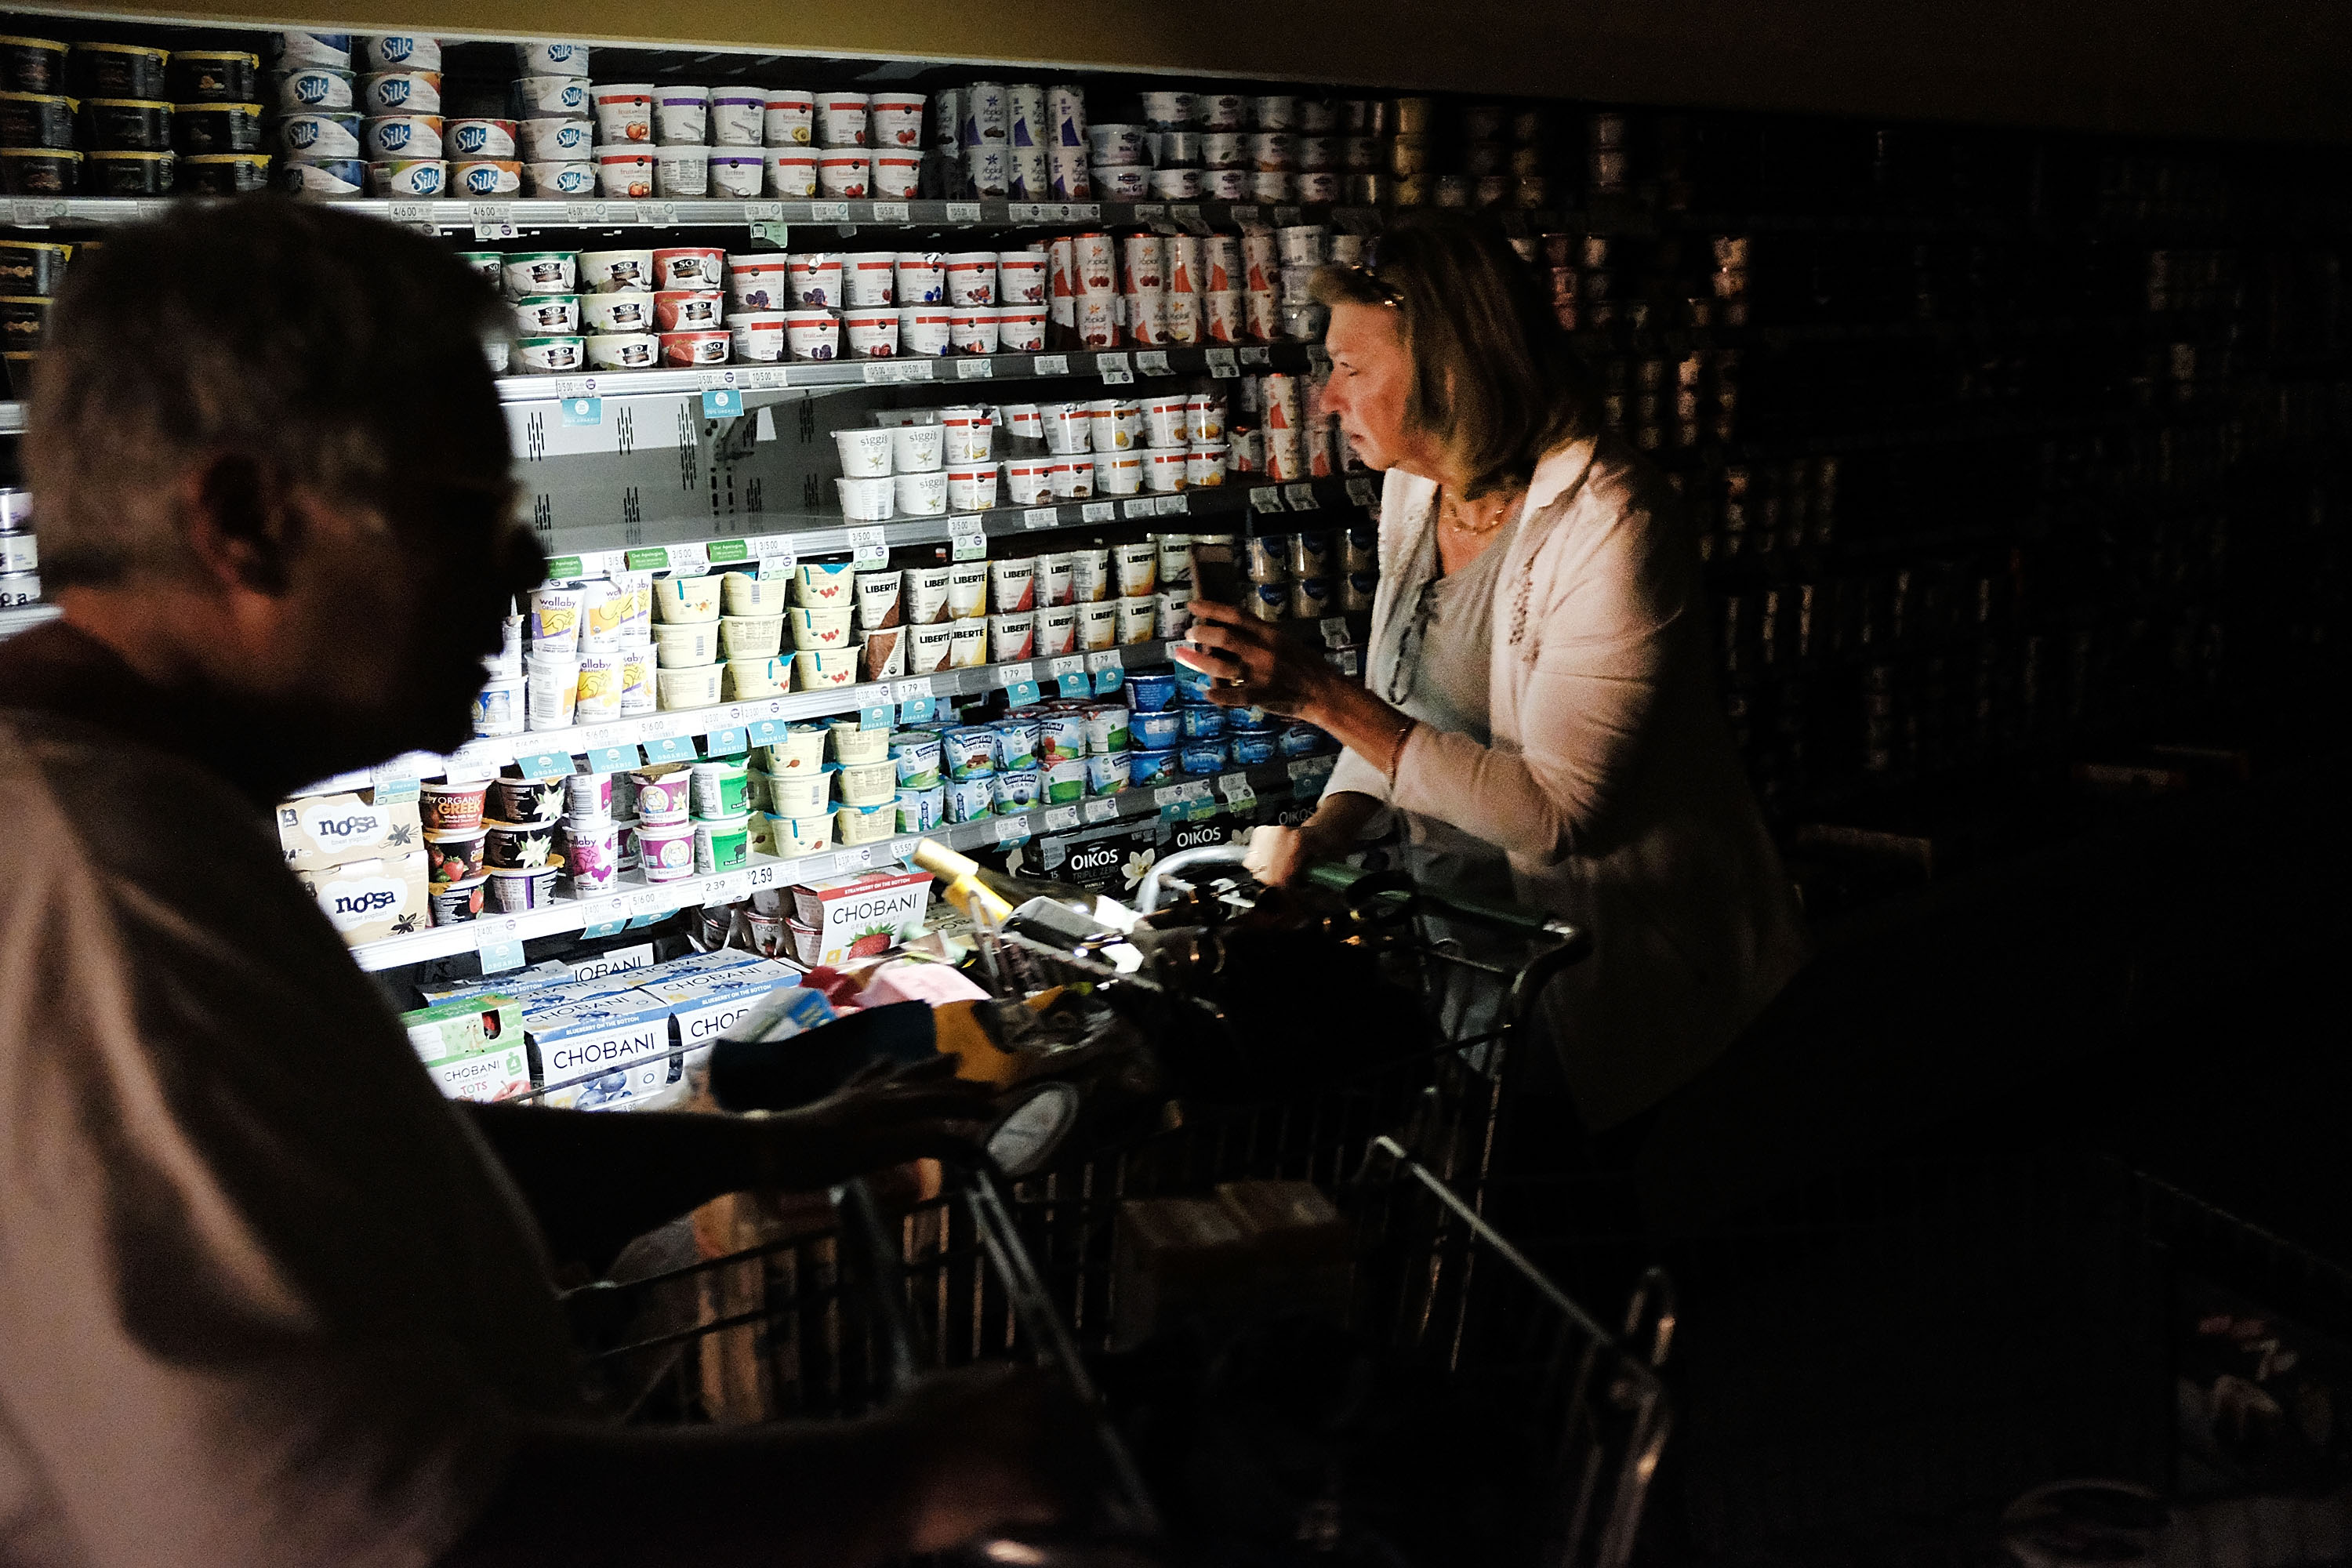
(1390, 294)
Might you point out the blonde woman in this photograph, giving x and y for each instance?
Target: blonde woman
(1540, 704)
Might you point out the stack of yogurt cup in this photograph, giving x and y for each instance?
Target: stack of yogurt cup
(316, 92)
(588, 842)
(1118, 447)
(1025, 141)
(1301, 250)
(1174, 141)
(588, 660)
(901, 471)
(553, 134)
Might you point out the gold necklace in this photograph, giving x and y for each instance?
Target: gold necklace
(1510, 503)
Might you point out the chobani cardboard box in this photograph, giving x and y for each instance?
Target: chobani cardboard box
(705, 1003)
(862, 916)
(371, 899)
(323, 830)
(475, 1048)
(604, 1053)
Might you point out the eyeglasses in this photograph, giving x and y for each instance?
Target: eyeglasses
(1410, 643)
(1391, 295)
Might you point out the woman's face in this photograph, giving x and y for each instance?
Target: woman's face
(1372, 375)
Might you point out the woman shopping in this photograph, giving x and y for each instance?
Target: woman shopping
(1539, 706)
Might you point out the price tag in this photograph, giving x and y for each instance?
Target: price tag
(889, 212)
(776, 555)
(870, 548)
(914, 370)
(692, 556)
(967, 537)
(613, 759)
(1021, 693)
(875, 716)
(670, 748)
(1335, 631)
(1178, 505)
(915, 708)
(610, 918)
(1167, 795)
(1150, 211)
(1267, 498)
(1023, 212)
(772, 232)
(584, 212)
(467, 764)
(763, 874)
(1085, 212)
(1237, 790)
(1256, 354)
(722, 403)
(1143, 506)
(564, 568)
(1151, 361)
(977, 368)
(1346, 659)
(1006, 674)
(1070, 675)
(537, 767)
(652, 559)
(649, 907)
(727, 552)
(1114, 369)
(829, 212)
(1188, 218)
(1318, 360)
(499, 947)
(1362, 491)
(768, 378)
(1012, 830)
(494, 220)
(1108, 671)
(1051, 365)
(1098, 809)
(732, 888)
(1061, 819)
(1100, 511)
(963, 212)
(764, 212)
(728, 742)
(1301, 498)
(583, 411)
(412, 212)
(1220, 363)
(1040, 517)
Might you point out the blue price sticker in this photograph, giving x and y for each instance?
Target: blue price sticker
(499, 954)
(767, 733)
(603, 929)
(874, 716)
(540, 766)
(915, 709)
(722, 403)
(1021, 693)
(1109, 681)
(670, 749)
(1074, 683)
(583, 411)
(726, 742)
(613, 759)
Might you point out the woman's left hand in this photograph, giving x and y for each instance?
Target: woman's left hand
(1255, 665)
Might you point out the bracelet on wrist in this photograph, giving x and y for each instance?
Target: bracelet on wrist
(1396, 750)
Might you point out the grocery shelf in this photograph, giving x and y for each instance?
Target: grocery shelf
(787, 536)
(482, 757)
(490, 220)
(1116, 368)
(25, 618)
(637, 901)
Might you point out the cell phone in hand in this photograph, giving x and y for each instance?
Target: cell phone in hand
(1217, 574)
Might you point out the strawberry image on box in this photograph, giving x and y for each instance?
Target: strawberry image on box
(863, 916)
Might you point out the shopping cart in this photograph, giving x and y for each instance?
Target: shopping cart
(828, 1309)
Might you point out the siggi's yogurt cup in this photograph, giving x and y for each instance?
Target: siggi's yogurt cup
(867, 500)
(625, 173)
(485, 177)
(554, 140)
(607, 272)
(409, 177)
(552, 96)
(548, 356)
(791, 172)
(562, 179)
(736, 172)
(866, 452)
(623, 350)
(618, 313)
(625, 113)
(529, 272)
(922, 495)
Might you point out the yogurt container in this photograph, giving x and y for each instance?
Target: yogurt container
(485, 177)
(455, 903)
(481, 139)
(1201, 721)
(561, 179)
(548, 356)
(1156, 729)
(1149, 690)
(1014, 743)
(1107, 727)
(665, 851)
(319, 135)
(309, 88)
(1018, 790)
(399, 52)
(624, 113)
(920, 810)
(1106, 772)
(625, 173)
(1250, 748)
(866, 824)
(455, 856)
(549, 139)
(552, 58)
(1061, 735)
(691, 266)
(692, 349)
(552, 96)
(737, 116)
(446, 808)
(969, 800)
(611, 271)
(967, 751)
(617, 312)
(623, 350)
(722, 844)
(548, 315)
(790, 118)
(737, 173)
(401, 93)
(529, 272)
(1150, 767)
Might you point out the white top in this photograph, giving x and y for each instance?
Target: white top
(1607, 778)
(265, 1298)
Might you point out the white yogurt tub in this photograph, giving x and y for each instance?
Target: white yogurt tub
(624, 351)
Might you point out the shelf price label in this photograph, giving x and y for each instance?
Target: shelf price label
(1301, 498)
(719, 552)
(1050, 365)
(1098, 809)
(1221, 363)
(1237, 790)
(1362, 491)
(1061, 819)
(1143, 506)
(1335, 631)
(613, 759)
(652, 559)
(1151, 361)
(1100, 511)
(670, 748)
(722, 401)
(1188, 218)
(870, 548)
(608, 917)
(690, 557)
(915, 703)
(828, 212)
(771, 231)
(1011, 830)
(967, 537)
(1110, 671)
(1114, 369)
(411, 212)
(584, 212)
(499, 946)
(977, 368)
(494, 220)
(891, 212)
(1040, 517)
(649, 906)
(537, 767)
(1255, 354)
(1267, 498)
(1070, 675)
(963, 212)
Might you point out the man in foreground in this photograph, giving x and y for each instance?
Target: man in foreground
(265, 1298)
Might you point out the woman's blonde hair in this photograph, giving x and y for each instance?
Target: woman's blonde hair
(1493, 378)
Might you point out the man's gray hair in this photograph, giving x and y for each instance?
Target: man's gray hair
(312, 342)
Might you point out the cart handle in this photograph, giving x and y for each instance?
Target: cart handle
(1147, 897)
(1358, 885)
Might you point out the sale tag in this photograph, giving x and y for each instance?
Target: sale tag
(409, 213)
(670, 748)
(829, 212)
(583, 411)
(1301, 497)
(1098, 512)
(1153, 361)
(726, 551)
(769, 231)
(1100, 810)
(870, 548)
(1189, 219)
(653, 558)
(722, 403)
(613, 759)
(1267, 498)
(730, 742)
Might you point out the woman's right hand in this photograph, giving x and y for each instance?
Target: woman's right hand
(1279, 855)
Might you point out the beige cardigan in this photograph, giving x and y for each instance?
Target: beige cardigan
(1611, 783)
